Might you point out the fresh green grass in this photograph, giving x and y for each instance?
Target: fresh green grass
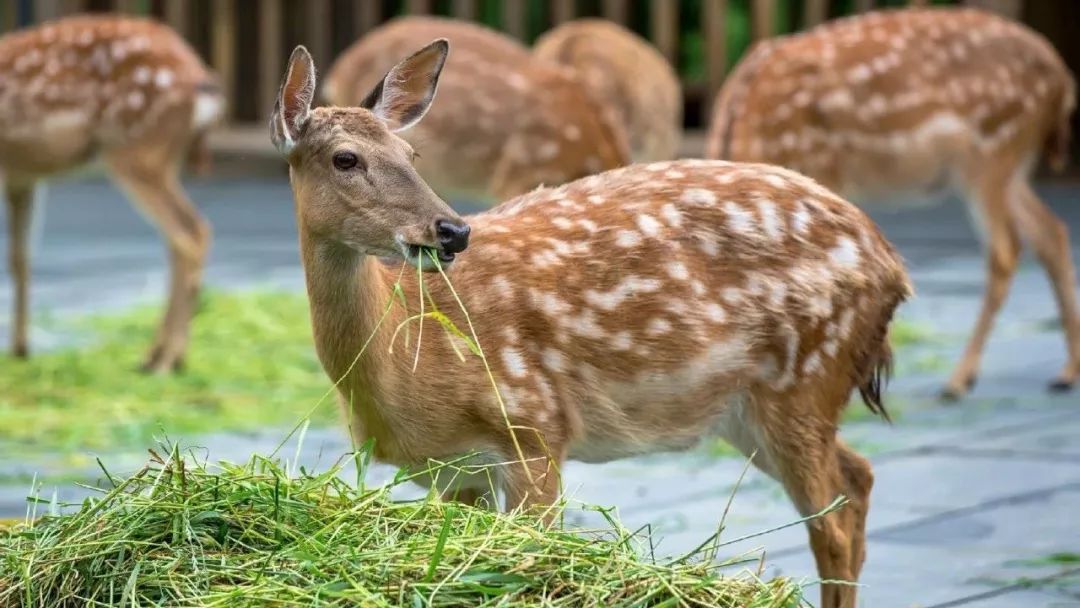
(251, 365)
(181, 533)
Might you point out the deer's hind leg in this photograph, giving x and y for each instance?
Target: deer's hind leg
(797, 445)
(1048, 236)
(989, 204)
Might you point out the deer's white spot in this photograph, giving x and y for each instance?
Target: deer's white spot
(775, 181)
(660, 166)
(164, 78)
(698, 196)
(812, 365)
(831, 347)
(588, 225)
(677, 270)
(628, 288)
(502, 286)
(135, 99)
(674, 174)
(847, 319)
(547, 151)
(732, 295)
(571, 132)
(86, 37)
(562, 223)
(622, 341)
(778, 293)
(697, 287)
(553, 360)
(837, 99)
(739, 220)
(770, 220)
(845, 254)
(548, 303)
(800, 218)
(585, 325)
(648, 225)
(658, 326)
(708, 244)
(142, 74)
(671, 215)
(594, 199)
(544, 259)
(517, 81)
(791, 352)
(627, 238)
(514, 362)
(715, 313)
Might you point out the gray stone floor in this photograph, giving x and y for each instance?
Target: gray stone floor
(967, 499)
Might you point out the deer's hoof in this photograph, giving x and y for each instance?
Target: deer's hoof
(1060, 386)
(950, 395)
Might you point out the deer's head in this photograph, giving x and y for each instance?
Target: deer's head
(352, 177)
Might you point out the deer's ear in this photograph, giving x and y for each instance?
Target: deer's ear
(404, 95)
(293, 106)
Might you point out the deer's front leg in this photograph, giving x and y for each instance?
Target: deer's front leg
(534, 485)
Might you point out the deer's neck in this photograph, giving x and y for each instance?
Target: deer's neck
(348, 293)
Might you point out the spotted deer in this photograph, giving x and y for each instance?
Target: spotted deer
(914, 103)
(131, 92)
(506, 122)
(633, 311)
(627, 74)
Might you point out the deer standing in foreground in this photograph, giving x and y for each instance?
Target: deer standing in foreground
(506, 123)
(747, 302)
(913, 103)
(625, 73)
(131, 92)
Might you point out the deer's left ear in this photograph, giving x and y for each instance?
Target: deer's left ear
(293, 107)
(404, 95)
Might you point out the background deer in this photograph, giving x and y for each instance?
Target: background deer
(131, 92)
(506, 122)
(626, 74)
(913, 103)
(749, 302)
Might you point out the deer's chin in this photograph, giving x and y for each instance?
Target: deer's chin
(427, 259)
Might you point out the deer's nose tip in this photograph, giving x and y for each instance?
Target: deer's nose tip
(453, 235)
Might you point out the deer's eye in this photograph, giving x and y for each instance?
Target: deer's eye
(344, 161)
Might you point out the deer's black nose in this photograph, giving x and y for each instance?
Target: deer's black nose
(453, 235)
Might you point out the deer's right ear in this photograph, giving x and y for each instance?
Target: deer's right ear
(293, 106)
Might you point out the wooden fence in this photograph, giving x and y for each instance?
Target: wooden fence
(246, 41)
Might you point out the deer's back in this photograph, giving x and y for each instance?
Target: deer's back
(895, 100)
(71, 88)
(495, 104)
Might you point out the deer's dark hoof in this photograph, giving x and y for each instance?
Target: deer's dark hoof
(1060, 386)
(950, 395)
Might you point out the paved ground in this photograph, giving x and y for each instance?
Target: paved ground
(964, 494)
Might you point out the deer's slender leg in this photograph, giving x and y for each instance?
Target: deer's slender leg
(539, 492)
(20, 204)
(1002, 247)
(1049, 237)
(156, 189)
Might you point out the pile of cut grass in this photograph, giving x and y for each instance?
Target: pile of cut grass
(251, 365)
(180, 532)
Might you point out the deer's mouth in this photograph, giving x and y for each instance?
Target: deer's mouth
(425, 257)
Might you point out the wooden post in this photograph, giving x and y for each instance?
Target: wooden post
(714, 19)
(861, 6)
(176, 15)
(763, 18)
(418, 7)
(1013, 9)
(223, 45)
(317, 31)
(814, 12)
(464, 9)
(366, 16)
(513, 18)
(617, 11)
(664, 17)
(271, 58)
(562, 10)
